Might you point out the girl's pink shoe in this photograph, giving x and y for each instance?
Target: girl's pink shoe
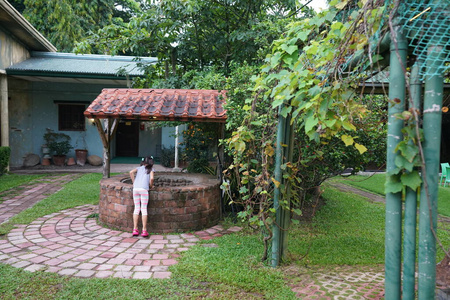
(135, 232)
(144, 233)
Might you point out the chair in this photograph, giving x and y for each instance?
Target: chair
(447, 179)
(444, 173)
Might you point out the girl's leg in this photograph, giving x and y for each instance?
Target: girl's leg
(137, 208)
(144, 203)
(135, 221)
(144, 222)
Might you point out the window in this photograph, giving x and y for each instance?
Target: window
(71, 118)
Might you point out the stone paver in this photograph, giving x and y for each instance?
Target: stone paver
(87, 250)
(342, 283)
(14, 203)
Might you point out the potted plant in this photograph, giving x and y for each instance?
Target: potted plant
(59, 145)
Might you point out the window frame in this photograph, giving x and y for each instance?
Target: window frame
(70, 116)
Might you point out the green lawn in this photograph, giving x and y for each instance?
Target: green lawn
(347, 230)
(375, 184)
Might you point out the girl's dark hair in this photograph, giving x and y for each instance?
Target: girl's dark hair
(148, 162)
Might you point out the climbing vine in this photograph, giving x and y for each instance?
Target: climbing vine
(308, 79)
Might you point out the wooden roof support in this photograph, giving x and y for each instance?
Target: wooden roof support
(106, 136)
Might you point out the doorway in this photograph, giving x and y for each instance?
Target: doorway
(127, 139)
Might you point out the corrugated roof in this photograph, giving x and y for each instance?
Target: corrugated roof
(159, 105)
(81, 64)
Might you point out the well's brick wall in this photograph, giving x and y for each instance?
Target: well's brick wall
(170, 209)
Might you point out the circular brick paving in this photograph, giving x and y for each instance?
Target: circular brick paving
(71, 243)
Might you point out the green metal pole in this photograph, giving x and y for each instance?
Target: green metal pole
(276, 240)
(432, 121)
(393, 235)
(286, 214)
(409, 242)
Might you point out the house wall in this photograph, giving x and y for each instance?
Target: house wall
(168, 136)
(11, 51)
(32, 111)
(20, 120)
(149, 142)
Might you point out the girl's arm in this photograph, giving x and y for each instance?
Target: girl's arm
(133, 174)
(151, 179)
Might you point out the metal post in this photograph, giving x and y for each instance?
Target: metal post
(393, 235)
(409, 241)
(289, 155)
(276, 240)
(432, 118)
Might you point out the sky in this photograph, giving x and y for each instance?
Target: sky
(316, 4)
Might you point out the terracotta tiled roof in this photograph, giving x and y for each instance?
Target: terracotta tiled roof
(159, 105)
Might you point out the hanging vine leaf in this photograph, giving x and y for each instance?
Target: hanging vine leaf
(411, 180)
(393, 184)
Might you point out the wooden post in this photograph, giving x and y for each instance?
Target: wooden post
(106, 136)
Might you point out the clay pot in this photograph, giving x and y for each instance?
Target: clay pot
(45, 162)
(71, 161)
(59, 160)
(81, 155)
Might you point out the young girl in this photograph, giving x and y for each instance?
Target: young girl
(142, 178)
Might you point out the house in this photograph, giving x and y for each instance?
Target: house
(41, 88)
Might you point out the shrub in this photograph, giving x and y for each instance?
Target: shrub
(5, 153)
(199, 141)
(167, 156)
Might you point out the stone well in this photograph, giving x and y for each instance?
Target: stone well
(179, 202)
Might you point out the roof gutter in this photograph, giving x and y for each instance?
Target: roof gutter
(67, 75)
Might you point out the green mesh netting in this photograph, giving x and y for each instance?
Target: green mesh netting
(427, 24)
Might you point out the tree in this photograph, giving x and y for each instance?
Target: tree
(65, 22)
(193, 35)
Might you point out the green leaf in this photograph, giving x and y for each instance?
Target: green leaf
(412, 180)
(393, 185)
(289, 49)
(243, 190)
(403, 163)
(256, 123)
(310, 123)
(341, 4)
(408, 151)
(303, 35)
(349, 126)
(297, 211)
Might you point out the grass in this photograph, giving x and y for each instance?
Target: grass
(348, 230)
(375, 184)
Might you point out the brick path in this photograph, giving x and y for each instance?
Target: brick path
(344, 282)
(70, 243)
(14, 202)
